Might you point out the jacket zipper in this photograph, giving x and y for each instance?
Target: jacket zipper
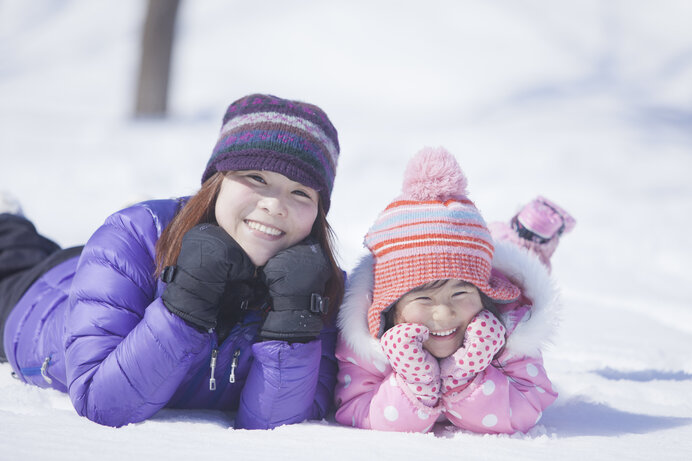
(212, 365)
(42, 370)
(234, 364)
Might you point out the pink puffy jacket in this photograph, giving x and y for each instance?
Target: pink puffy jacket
(509, 396)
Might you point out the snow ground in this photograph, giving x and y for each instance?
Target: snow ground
(588, 103)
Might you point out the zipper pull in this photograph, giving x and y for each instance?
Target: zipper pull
(44, 371)
(234, 364)
(212, 365)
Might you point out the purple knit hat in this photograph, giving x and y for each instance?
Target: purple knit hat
(293, 138)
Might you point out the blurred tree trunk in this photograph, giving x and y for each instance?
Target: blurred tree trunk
(155, 59)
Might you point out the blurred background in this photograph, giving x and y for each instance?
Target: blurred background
(588, 103)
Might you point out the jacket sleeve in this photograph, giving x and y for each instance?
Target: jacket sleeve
(509, 396)
(288, 383)
(125, 353)
(369, 395)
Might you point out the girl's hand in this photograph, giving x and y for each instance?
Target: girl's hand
(484, 336)
(403, 345)
(209, 259)
(296, 278)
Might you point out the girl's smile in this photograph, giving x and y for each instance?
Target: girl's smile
(265, 212)
(445, 308)
(444, 334)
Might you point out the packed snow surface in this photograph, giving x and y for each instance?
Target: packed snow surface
(588, 103)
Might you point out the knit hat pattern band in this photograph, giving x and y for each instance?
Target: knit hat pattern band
(293, 138)
(431, 232)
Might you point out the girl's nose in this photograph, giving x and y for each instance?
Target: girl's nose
(442, 312)
(273, 205)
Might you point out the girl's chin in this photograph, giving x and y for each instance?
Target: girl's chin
(442, 352)
(443, 347)
(441, 355)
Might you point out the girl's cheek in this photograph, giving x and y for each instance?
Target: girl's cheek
(409, 314)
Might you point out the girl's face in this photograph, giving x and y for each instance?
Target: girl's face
(445, 310)
(265, 212)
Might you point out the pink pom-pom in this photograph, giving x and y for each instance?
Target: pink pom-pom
(434, 174)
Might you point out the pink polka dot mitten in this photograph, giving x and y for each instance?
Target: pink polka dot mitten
(484, 336)
(403, 345)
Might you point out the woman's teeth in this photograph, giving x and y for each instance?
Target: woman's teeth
(443, 333)
(262, 228)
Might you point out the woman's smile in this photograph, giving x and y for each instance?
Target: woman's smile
(265, 229)
(265, 212)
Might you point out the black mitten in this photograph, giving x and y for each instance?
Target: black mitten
(296, 278)
(209, 259)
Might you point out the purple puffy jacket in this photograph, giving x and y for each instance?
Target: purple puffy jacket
(95, 327)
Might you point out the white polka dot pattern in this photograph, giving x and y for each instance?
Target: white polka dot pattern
(391, 413)
(489, 420)
(379, 365)
(531, 370)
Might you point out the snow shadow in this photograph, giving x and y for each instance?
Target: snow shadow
(577, 418)
(214, 417)
(643, 375)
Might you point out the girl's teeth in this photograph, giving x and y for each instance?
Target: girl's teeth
(262, 228)
(443, 333)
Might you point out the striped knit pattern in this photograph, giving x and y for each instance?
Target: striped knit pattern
(417, 242)
(296, 139)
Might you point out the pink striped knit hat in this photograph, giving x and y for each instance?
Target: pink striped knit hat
(431, 232)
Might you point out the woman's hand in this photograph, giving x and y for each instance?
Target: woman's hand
(296, 278)
(403, 345)
(209, 259)
(484, 336)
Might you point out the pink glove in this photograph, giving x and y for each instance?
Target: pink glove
(485, 335)
(403, 345)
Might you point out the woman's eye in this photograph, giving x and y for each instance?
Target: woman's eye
(257, 178)
(422, 298)
(459, 293)
(300, 193)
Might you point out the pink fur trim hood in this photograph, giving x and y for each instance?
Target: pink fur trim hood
(529, 337)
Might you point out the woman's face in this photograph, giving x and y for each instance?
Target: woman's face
(265, 212)
(446, 311)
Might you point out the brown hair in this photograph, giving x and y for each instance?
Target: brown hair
(200, 209)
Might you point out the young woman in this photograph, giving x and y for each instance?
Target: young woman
(214, 301)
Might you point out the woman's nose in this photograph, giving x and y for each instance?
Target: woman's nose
(273, 205)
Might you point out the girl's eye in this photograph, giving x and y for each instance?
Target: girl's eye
(459, 293)
(422, 298)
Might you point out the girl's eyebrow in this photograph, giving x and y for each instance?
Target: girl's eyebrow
(462, 284)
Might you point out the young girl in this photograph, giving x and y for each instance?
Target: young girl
(213, 301)
(439, 323)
